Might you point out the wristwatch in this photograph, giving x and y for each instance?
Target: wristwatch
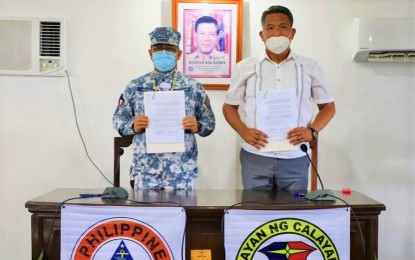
(314, 133)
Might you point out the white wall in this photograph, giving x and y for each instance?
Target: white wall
(368, 146)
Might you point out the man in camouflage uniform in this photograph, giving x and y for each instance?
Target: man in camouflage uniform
(176, 170)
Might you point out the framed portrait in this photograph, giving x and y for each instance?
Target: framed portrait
(211, 39)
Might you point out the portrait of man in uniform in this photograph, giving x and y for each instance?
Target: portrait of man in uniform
(208, 56)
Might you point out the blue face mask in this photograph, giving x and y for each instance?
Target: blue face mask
(164, 61)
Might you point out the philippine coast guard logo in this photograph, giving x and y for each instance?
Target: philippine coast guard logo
(121, 238)
(287, 239)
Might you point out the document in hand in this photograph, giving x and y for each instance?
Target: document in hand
(276, 114)
(165, 110)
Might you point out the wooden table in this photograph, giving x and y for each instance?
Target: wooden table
(204, 215)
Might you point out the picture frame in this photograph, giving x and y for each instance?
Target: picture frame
(209, 57)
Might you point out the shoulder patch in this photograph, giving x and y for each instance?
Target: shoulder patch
(120, 102)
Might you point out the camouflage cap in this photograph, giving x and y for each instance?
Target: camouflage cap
(164, 35)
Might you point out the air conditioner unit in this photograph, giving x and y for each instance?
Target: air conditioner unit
(32, 46)
(385, 39)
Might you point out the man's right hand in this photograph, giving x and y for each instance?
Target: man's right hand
(140, 123)
(254, 137)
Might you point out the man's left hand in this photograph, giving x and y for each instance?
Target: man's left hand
(299, 135)
(190, 123)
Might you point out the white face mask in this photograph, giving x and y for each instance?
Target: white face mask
(277, 44)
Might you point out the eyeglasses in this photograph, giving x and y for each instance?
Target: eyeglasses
(169, 48)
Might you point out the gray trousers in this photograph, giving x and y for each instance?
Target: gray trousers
(267, 173)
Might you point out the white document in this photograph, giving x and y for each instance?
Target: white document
(277, 113)
(165, 110)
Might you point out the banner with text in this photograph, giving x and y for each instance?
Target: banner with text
(287, 234)
(120, 232)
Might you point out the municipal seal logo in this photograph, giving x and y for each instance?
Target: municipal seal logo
(287, 250)
(121, 238)
(287, 239)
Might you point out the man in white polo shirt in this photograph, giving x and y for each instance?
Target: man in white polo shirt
(277, 71)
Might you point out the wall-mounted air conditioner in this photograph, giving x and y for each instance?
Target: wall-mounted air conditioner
(32, 46)
(385, 39)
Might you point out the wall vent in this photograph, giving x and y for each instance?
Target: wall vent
(50, 39)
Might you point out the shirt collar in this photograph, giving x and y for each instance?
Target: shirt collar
(291, 55)
(158, 74)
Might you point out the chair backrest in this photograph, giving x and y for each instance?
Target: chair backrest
(125, 141)
(119, 142)
(314, 155)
